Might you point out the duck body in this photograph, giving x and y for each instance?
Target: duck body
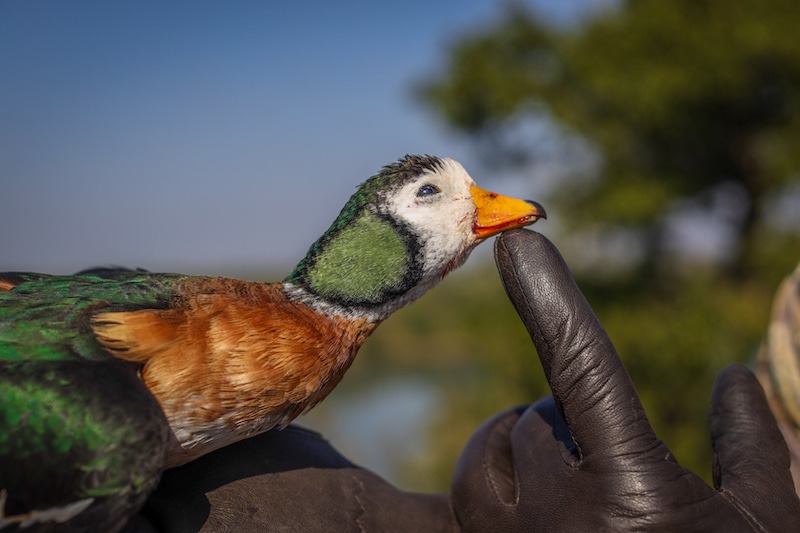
(225, 358)
(168, 367)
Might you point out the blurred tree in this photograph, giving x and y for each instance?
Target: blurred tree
(684, 110)
(688, 104)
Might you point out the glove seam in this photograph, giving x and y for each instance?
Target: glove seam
(487, 472)
(360, 485)
(737, 504)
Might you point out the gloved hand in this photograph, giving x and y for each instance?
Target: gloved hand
(587, 459)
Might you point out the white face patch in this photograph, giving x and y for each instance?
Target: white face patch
(438, 206)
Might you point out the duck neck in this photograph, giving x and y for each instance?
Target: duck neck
(369, 268)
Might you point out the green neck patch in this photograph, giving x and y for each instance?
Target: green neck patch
(362, 259)
(366, 263)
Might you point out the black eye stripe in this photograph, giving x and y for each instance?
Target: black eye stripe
(428, 190)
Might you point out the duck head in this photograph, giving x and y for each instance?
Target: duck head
(401, 232)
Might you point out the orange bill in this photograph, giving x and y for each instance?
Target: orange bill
(498, 213)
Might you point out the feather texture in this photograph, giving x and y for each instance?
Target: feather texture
(231, 359)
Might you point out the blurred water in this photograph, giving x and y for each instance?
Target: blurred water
(379, 427)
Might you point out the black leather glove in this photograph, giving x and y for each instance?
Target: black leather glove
(588, 460)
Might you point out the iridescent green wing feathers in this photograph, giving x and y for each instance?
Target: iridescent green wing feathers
(48, 317)
(82, 444)
(82, 440)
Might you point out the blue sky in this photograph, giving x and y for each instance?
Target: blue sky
(206, 137)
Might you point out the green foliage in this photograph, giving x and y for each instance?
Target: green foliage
(675, 334)
(678, 101)
(677, 98)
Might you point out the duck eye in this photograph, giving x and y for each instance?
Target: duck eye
(428, 190)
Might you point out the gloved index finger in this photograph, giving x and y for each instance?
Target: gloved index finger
(590, 385)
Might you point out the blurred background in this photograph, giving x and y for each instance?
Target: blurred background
(211, 138)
